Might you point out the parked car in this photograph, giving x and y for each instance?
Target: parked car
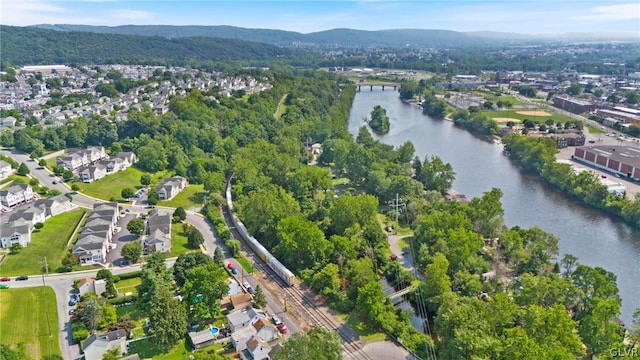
(5, 279)
(234, 271)
(4, 286)
(22, 278)
(283, 328)
(276, 320)
(71, 311)
(72, 302)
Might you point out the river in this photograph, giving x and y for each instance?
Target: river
(590, 235)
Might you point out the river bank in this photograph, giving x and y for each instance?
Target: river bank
(596, 239)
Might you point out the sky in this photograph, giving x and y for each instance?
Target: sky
(516, 16)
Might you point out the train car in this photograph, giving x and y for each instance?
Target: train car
(285, 274)
(258, 248)
(282, 271)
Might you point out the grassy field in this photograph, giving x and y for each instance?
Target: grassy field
(50, 241)
(192, 196)
(128, 285)
(358, 325)
(489, 96)
(146, 350)
(513, 114)
(178, 241)
(111, 186)
(51, 162)
(595, 130)
(135, 315)
(24, 319)
(246, 264)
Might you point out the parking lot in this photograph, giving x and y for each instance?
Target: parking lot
(121, 238)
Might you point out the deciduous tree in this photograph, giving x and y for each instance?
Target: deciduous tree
(131, 251)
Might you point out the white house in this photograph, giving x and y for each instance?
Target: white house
(55, 205)
(15, 234)
(91, 250)
(159, 233)
(5, 170)
(97, 345)
(258, 349)
(16, 194)
(30, 216)
(89, 285)
(171, 187)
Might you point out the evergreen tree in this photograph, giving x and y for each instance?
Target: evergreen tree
(259, 299)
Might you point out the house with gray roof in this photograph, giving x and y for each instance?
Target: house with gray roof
(16, 194)
(90, 250)
(5, 170)
(171, 187)
(158, 233)
(97, 345)
(15, 234)
(55, 205)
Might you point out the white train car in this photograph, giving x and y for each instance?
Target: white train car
(264, 254)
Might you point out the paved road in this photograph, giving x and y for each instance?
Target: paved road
(121, 238)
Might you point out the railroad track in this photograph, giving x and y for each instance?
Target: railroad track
(351, 346)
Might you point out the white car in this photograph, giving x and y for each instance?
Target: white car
(276, 320)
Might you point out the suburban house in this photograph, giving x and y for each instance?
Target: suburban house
(92, 246)
(5, 170)
(15, 234)
(237, 302)
(54, 205)
(8, 121)
(82, 157)
(171, 187)
(97, 345)
(242, 319)
(102, 168)
(261, 328)
(256, 349)
(92, 172)
(91, 250)
(158, 233)
(89, 285)
(30, 216)
(16, 194)
(201, 339)
(234, 287)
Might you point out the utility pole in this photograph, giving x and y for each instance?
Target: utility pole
(284, 296)
(397, 203)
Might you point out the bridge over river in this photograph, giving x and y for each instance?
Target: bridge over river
(371, 85)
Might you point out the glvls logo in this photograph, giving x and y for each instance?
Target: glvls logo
(624, 352)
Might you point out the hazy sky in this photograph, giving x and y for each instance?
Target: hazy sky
(521, 16)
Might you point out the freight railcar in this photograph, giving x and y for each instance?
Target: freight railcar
(264, 254)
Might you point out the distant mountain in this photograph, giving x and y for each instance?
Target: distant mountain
(341, 38)
(30, 45)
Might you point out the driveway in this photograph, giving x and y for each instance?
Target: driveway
(121, 238)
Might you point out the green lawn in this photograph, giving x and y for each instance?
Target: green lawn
(246, 264)
(540, 118)
(595, 130)
(178, 241)
(490, 96)
(146, 350)
(192, 196)
(51, 162)
(23, 314)
(50, 241)
(128, 285)
(367, 334)
(111, 186)
(135, 315)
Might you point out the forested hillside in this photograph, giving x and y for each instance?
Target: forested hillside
(22, 45)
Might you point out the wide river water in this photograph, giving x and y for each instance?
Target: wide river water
(593, 237)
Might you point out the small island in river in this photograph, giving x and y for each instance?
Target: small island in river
(379, 122)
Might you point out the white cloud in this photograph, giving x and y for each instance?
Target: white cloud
(630, 11)
(128, 14)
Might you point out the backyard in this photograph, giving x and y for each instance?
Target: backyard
(50, 241)
(111, 186)
(28, 323)
(192, 196)
(178, 241)
(128, 285)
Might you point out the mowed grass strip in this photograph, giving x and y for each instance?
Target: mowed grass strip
(179, 241)
(128, 285)
(24, 319)
(111, 185)
(50, 241)
(190, 197)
